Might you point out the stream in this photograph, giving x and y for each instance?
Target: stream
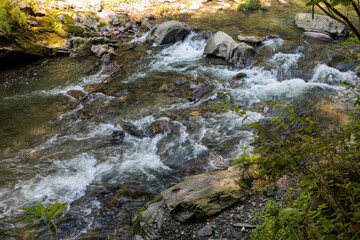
(49, 153)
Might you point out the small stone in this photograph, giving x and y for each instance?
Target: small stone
(239, 76)
(139, 34)
(205, 231)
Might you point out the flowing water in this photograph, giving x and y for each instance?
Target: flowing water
(52, 154)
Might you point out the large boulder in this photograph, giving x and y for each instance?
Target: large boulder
(80, 46)
(168, 32)
(321, 24)
(220, 45)
(206, 194)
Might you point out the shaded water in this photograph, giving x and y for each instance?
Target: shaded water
(52, 154)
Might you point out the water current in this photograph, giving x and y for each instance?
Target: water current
(52, 154)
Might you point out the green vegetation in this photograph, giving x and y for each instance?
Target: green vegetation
(328, 165)
(248, 4)
(11, 17)
(48, 215)
(108, 4)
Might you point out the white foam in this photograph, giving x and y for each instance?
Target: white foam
(67, 184)
(332, 76)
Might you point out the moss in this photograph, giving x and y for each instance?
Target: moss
(76, 31)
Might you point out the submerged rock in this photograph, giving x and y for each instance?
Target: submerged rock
(206, 194)
(168, 32)
(159, 126)
(76, 94)
(320, 24)
(201, 91)
(117, 136)
(132, 130)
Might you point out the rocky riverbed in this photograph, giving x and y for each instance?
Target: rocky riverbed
(150, 133)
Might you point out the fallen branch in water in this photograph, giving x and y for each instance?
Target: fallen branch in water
(98, 85)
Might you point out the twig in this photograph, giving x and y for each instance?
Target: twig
(98, 85)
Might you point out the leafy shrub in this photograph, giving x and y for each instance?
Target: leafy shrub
(11, 17)
(329, 165)
(48, 215)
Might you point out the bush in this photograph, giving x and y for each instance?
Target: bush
(328, 163)
(11, 17)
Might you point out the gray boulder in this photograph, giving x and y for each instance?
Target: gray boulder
(168, 32)
(206, 194)
(80, 46)
(321, 24)
(220, 45)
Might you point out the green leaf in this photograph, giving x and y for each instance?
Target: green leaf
(27, 218)
(314, 2)
(262, 134)
(345, 44)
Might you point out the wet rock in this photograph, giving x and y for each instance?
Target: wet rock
(146, 25)
(317, 36)
(80, 46)
(243, 54)
(149, 220)
(132, 130)
(76, 94)
(321, 24)
(180, 81)
(117, 136)
(201, 91)
(249, 39)
(220, 45)
(206, 194)
(205, 231)
(168, 32)
(100, 50)
(159, 126)
(239, 76)
(106, 59)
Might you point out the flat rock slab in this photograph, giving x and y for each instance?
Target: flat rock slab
(321, 37)
(321, 24)
(206, 194)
